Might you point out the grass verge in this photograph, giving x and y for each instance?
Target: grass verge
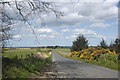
(23, 68)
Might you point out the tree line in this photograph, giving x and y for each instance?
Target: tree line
(81, 43)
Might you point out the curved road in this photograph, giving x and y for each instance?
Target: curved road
(68, 68)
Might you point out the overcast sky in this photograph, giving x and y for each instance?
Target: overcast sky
(95, 20)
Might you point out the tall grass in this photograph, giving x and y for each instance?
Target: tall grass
(23, 68)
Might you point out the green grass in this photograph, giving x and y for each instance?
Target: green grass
(101, 62)
(15, 66)
(65, 50)
(19, 53)
(23, 68)
(108, 61)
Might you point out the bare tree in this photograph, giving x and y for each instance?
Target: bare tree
(13, 11)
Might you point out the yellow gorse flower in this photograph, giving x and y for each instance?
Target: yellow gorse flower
(92, 52)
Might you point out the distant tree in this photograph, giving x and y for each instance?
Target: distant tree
(80, 43)
(62, 47)
(56, 46)
(111, 47)
(103, 44)
(116, 45)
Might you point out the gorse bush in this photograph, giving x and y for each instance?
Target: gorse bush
(92, 53)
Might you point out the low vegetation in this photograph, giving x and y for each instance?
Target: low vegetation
(92, 53)
(19, 53)
(98, 56)
(22, 64)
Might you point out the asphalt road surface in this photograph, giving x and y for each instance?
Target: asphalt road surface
(68, 68)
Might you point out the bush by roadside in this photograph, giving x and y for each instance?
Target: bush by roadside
(106, 59)
(98, 56)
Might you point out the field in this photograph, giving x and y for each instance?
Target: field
(20, 63)
(109, 60)
(64, 51)
(19, 53)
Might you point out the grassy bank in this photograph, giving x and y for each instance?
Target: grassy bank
(101, 62)
(21, 64)
(110, 61)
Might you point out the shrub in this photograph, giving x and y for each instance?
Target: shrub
(92, 53)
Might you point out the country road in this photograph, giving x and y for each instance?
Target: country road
(68, 68)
